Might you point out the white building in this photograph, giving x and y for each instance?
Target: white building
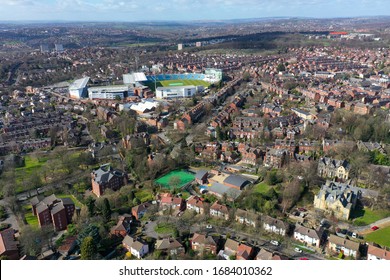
(110, 92)
(179, 47)
(213, 75)
(177, 92)
(135, 247)
(78, 89)
(306, 235)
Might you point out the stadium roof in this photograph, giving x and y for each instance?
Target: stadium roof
(134, 77)
(79, 84)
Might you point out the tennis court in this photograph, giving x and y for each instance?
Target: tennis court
(184, 176)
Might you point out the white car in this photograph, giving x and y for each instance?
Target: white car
(209, 226)
(274, 242)
(296, 249)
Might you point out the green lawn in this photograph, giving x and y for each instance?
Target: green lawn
(144, 195)
(31, 219)
(32, 164)
(380, 236)
(76, 202)
(262, 188)
(164, 228)
(171, 83)
(367, 216)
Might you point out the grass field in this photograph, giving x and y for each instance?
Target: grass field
(367, 216)
(262, 188)
(173, 83)
(31, 164)
(380, 236)
(30, 218)
(185, 178)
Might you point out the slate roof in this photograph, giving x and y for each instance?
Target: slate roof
(344, 242)
(345, 193)
(200, 173)
(167, 244)
(307, 231)
(57, 208)
(7, 241)
(105, 173)
(236, 181)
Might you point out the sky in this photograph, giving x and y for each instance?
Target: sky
(136, 10)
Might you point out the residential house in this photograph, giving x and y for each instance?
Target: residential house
(202, 243)
(244, 252)
(337, 198)
(348, 247)
(310, 237)
(168, 201)
(333, 168)
(276, 158)
(376, 253)
(219, 210)
(8, 245)
(122, 228)
(247, 218)
(107, 178)
(266, 255)
(275, 226)
(136, 247)
(230, 249)
(139, 211)
(170, 246)
(67, 246)
(197, 204)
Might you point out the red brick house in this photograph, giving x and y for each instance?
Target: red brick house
(139, 211)
(219, 211)
(106, 177)
(197, 204)
(122, 228)
(8, 245)
(204, 244)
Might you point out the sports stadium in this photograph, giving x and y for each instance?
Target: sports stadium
(169, 86)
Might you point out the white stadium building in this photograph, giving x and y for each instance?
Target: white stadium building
(110, 92)
(78, 89)
(177, 92)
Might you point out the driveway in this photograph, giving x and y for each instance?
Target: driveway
(149, 229)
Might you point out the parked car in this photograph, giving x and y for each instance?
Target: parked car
(274, 242)
(296, 249)
(374, 228)
(209, 226)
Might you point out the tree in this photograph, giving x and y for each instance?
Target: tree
(30, 241)
(90, 202)
(174, 182)
(106, 211)
(88, 248)
(291, 194)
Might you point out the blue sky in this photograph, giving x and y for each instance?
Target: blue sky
(133, 10)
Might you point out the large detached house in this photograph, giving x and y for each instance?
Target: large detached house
(338, 198)
(107, 178)
(333, 169)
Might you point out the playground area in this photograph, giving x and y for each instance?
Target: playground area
(167, 180)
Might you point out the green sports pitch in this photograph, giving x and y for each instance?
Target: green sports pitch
(177, 83)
